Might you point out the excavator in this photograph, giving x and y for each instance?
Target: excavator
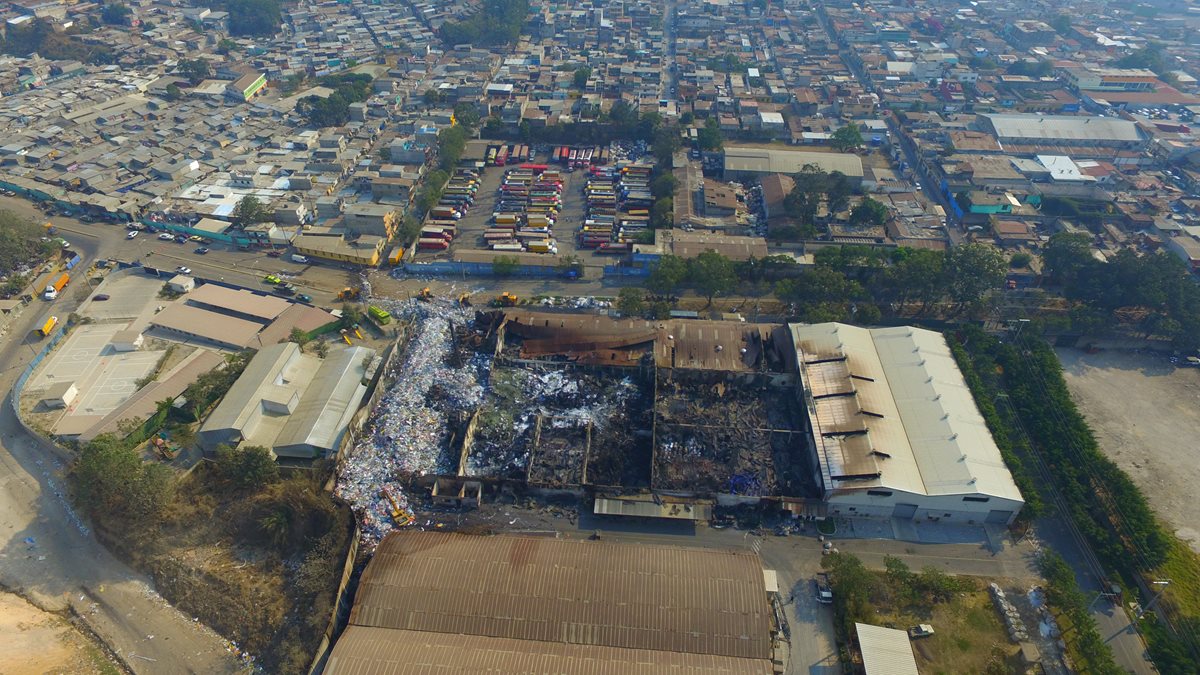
(400, 516)
(464, 300)
(349, 293)
(506, 299)
(425, 295)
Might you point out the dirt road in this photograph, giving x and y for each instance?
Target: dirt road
(1143, 410)
(34, 641)
(50, 556)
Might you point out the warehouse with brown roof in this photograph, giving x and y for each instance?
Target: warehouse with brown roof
(446, 602)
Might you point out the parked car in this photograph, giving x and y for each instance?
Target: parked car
(285, 290)
(100, 298)
(274, 254)
(201, 251)
(824, 590)
(304, 297)
(272, 279)
(166, 236)
(183, 270)
(921, 631)
(131, 234)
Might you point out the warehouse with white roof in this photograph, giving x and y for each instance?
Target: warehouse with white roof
(894, 429)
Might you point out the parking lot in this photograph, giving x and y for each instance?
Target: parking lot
(470, 227)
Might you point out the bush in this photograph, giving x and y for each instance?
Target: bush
(247, 468)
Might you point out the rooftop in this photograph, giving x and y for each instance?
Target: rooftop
(1063, 127)
(890, 408)
(534, 595)
(201, 323)
(761, 160)
(240, 301)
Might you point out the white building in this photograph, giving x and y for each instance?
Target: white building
(895, 430)
(293, 403)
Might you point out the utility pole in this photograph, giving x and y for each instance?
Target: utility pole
(1164, 583)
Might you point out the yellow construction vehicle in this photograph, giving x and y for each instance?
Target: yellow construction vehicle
(400, 516)
(425, 295)
(464, 300)
(506, 299)
(349, 293)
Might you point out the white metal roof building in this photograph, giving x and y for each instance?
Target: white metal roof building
(894, 428)
(293, 403)
(758, 161)
(1064, 130)
(885, 651)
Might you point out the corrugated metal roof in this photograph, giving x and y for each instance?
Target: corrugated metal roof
(378, 651)
(581, 592)
(885, 651)
(264, 307)
(762, 160)
(924, 432)
(329, 401)
(1063, 127)
(219, 328)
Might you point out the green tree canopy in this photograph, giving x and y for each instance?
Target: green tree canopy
(668, 275)
(631, 301)
(116, 14)
(847, 138)
(709, 137)
(250, 210)
(194, 69)
(869, 212)
(972, 270)
(581, 77)
(254, 17)
(248, 467)
(711, 274)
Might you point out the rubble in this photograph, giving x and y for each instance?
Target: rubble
(408, 433)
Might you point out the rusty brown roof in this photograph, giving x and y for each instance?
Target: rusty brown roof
(362, 650)
(609, 594)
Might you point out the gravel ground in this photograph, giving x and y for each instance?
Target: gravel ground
(1145, 412)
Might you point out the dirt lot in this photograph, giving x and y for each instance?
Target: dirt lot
(33, 641)
(1144, 412)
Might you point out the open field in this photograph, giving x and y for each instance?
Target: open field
(1143, 410)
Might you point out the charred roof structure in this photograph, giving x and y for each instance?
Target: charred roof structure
(684, 408)
(510, 604)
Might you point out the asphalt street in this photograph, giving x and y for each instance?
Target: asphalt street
(49, 554)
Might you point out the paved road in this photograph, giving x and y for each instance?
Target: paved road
(50, 556)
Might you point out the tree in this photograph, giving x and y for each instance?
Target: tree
(110, 480)
(431, 191)
(410, 229)
(433, 96)
(298, 336)
(666, 143)
(847, 138)
(250, 210)
(664, 186)
(1020, 260)
(505, 265)
(917, 274)
(172, 92)
(837, 191)
(115, 14)
(467, 114)
(709, 138)
(667, 275)
(1061, 23)
(452, 141)
(662, 213)
(581, 77)
(247, 468)
(687, 118)
(1066, 255)
(497, 22)
(869, 212)
(852, 585)
(254, 17)
(571, 266)
(194, 69)
(631, 301)
(971, 271)
(712, 274)
(226, 46)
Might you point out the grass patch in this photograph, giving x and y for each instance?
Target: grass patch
(1182, 567)
(827, 527)
(969, 635)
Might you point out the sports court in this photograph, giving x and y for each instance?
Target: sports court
(104, 376)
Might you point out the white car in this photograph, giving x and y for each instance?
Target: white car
(131, 234)
(166, 236)
(183, 270)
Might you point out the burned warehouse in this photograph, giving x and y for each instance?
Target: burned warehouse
(671, 418)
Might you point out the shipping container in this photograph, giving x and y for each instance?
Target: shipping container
(436, 244)
(381, 316)
(396, 256)
(508, 247)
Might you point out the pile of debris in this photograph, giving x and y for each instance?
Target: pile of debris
(409, 432)
(524, 403)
